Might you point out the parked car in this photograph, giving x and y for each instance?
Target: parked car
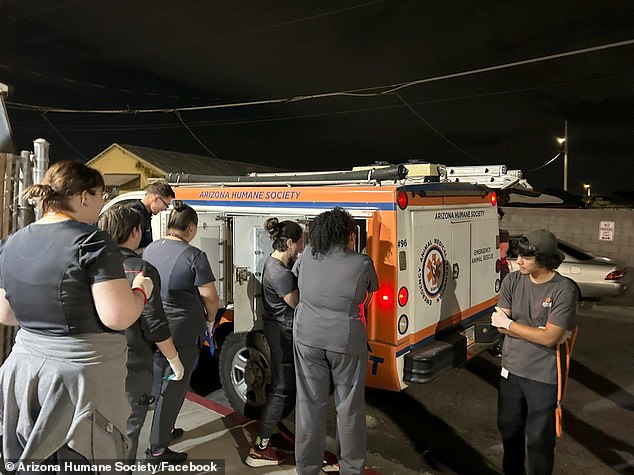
(596, 277)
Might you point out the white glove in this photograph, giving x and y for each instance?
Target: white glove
(177, 368)
(500, 319)
(143, 284)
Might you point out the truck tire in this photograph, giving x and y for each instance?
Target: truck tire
(245, 373)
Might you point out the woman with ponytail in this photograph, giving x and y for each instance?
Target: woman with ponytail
(280, 297)
(62, 281)
(190, 302)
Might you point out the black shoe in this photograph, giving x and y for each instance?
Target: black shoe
(177, 433)
(168, 456)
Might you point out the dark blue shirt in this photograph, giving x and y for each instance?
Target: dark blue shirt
(47, 269)
(183, 268)
(146, 223)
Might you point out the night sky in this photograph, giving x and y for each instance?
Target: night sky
(171, 54)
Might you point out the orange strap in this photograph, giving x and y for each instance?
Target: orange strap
(563, 367)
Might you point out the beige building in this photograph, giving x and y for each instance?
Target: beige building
(131, 167)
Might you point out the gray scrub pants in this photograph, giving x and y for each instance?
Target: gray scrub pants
(171, 397)
(313, 367)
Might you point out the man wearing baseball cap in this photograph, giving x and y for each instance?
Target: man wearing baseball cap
(537, 307)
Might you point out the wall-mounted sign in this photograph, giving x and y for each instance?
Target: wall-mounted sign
(606, 231)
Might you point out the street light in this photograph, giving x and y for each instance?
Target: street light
(586, 186)
(563, 141)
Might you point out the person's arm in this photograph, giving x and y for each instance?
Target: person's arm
(118, 306)
(547, 336)
(167, 348)
(7, 317)
(292, 299)
(210, 300)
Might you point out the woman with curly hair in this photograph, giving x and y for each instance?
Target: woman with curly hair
(330, 340)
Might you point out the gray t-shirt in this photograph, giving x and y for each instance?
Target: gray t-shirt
(183, 268)
(533, 304)
(331, 288)
(278, 281)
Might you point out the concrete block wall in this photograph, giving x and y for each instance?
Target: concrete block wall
(579, 227)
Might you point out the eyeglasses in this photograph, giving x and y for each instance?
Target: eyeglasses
(163, 201)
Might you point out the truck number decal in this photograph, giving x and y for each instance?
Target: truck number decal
(402, 243)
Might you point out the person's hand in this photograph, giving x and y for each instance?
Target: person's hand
(143, 284)
(210, 326)
(500, 319)
(177, 368)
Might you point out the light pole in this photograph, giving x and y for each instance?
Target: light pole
(564, 142)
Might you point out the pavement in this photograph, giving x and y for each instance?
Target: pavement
(214, 432)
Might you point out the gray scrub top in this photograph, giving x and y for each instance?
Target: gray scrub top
(331, 288)
(535, 305)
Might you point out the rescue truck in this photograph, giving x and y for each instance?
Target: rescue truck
(431, 230)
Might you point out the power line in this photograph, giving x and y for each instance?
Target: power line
(382, 90)
(261, 119)
(107, 27)
(214, 38)
(66, 141)
(178, 114)
(435, 130)
(90, 84)
(544, 165)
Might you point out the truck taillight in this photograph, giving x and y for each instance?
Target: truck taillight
(403, 296)
(494, 198)
(385, 296)
(401, 199)
(615, 275)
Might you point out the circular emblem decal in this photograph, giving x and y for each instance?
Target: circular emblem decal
(432, 270)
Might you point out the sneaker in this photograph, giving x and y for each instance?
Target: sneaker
(177, 433)
(264, 457)
(282, 443)
(167, 455)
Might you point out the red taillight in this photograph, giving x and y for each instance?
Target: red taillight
(403, 296)
(401, 200)
(494, 198)
(385, 296)
(615, 275)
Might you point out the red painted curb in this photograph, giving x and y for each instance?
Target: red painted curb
(226, 411)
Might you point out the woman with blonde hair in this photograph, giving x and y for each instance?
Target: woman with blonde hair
(62, 281)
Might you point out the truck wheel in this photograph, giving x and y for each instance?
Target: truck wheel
(245, 372)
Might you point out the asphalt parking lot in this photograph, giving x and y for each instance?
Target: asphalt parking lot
(448, 426)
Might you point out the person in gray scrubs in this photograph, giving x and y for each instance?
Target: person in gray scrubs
(537, 308)
(62, 281)
(123, 224)
(330, 340)
(190, 302)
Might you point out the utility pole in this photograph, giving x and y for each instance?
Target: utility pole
(565, 155)
(563, 141)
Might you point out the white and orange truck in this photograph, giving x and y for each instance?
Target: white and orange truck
(431, 230)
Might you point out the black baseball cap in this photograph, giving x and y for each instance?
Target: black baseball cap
(540, 241)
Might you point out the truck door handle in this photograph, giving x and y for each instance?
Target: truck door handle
(456, 270)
